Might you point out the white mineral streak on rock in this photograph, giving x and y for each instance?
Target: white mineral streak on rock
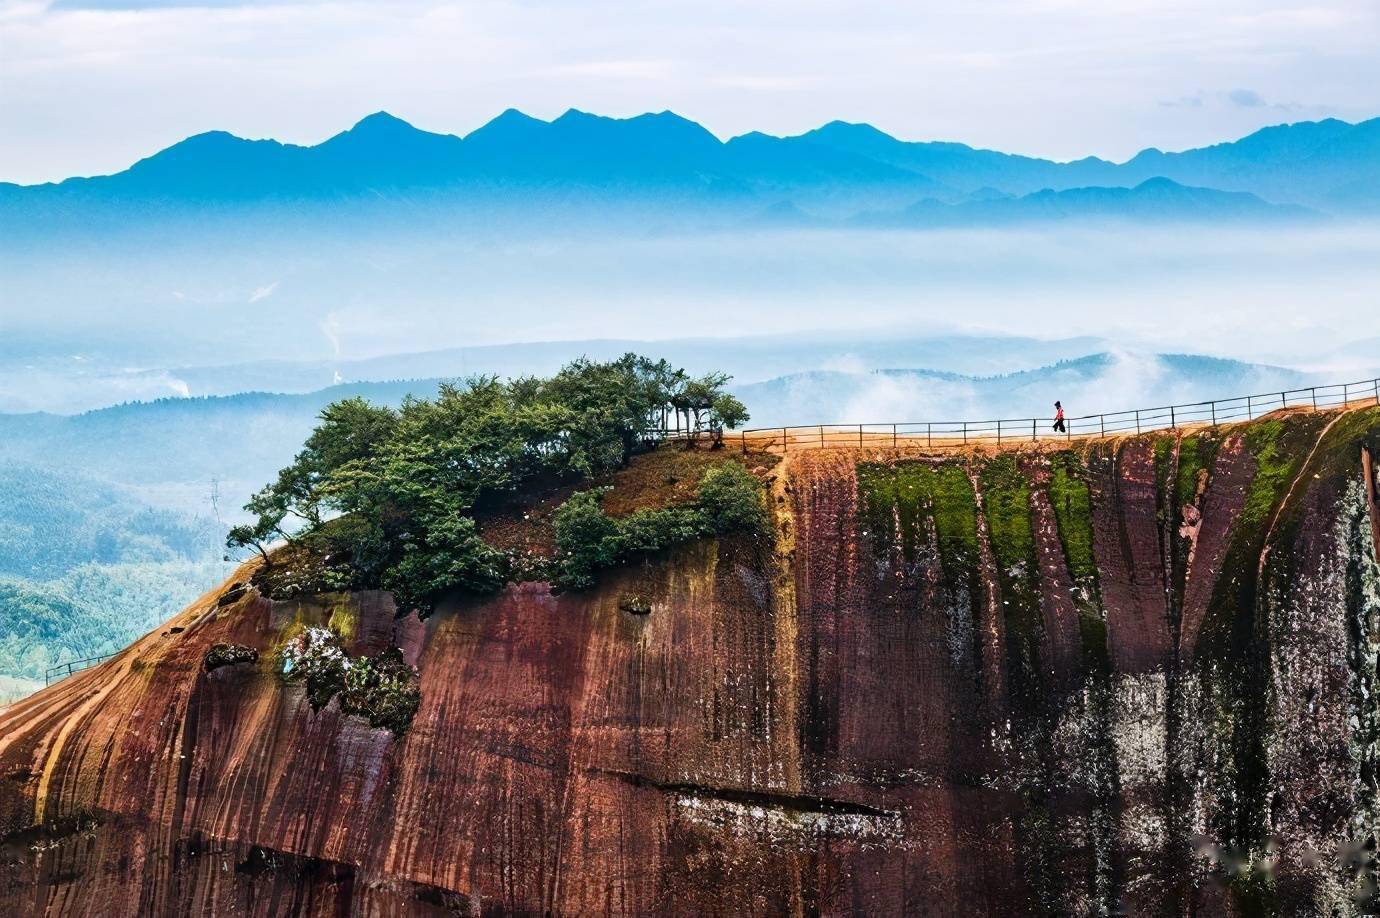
(788, 825)
(1139, 734)
(1360, 548)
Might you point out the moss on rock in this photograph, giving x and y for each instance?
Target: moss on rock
(1006, 507)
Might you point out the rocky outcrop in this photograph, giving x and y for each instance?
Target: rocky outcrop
(1134, 677)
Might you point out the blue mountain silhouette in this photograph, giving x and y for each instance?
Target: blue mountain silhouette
(838, 171)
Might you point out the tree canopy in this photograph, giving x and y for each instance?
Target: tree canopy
(401, 487)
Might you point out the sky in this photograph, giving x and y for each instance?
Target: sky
(89, 86)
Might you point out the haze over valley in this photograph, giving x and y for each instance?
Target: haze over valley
(221, 292)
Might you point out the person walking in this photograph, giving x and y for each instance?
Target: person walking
(1059, 418)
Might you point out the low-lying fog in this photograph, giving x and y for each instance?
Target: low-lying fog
(95, 323)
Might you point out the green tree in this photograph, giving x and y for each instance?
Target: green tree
(706, 406)
(391, 496)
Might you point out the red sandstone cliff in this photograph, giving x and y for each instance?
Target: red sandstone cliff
(1136, 676)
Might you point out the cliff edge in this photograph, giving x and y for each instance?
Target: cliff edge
(1133, 675)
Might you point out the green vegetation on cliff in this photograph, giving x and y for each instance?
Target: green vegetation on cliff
(1071, 498)
(1006, 507)
(382, 689)
(899, 501)
(588, 539)
(394, 498)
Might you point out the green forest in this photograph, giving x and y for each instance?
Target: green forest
(86, 567)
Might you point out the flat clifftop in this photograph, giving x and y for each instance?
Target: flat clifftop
(1135, 676)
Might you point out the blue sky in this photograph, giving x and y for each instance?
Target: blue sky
(88, 86)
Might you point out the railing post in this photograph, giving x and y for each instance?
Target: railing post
(1314, 392)
(999, 431)
(1213, 407)
(1102, 419)
(929, 434)
(1376, 383)
(893, 436)
(965, 433)
(1034, 434)
(1138, 421)
(785, 441)
(744, 441)
(1173, 422)
(859, 436)
(821, 436)
(1248, 409)
(1283, 402)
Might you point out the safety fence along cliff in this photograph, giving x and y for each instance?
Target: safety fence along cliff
(63, 670)
(951, 434)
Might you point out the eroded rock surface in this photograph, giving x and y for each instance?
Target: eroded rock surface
(1134, 678)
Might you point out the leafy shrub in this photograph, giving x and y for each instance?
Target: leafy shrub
(229, 655)
(450, 555)
(382, 689)
(731, 498)
(589, 540)
(316, 657)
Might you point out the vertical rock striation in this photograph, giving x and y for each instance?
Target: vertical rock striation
(1133, 676)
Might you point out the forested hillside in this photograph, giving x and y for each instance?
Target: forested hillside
(85, 568)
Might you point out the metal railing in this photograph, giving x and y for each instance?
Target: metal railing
(950, 434)
(63, 670)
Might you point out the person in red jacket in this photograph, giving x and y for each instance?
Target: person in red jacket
(1059, 418)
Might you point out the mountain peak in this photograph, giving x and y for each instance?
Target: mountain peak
(384, 127)
(381, 121)
(575, 116)
(514, 116)
(852, 129)
(382, 135)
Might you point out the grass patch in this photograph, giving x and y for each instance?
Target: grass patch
(1072, 501)
(1006, 505)
(900, 500)
(1071, 498)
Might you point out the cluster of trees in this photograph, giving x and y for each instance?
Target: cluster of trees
(398, 489)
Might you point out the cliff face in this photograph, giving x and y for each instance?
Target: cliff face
(1138, 675)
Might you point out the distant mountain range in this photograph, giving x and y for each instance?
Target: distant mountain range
(29, 384)
(1089, 384)
(581, 164)
(168, 451)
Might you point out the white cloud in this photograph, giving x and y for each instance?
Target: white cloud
(1055, 77)
(263, 293)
